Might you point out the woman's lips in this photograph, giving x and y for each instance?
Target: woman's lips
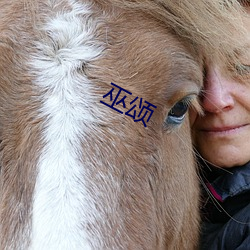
(224, 130)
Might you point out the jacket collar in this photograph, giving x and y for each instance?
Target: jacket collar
(229, 183)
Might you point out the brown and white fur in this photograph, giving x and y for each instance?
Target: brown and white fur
(76, 174)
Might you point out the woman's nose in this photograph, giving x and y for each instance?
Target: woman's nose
(217, 93)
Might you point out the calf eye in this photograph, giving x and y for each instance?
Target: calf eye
(178, 112)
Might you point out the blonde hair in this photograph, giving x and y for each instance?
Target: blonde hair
(208, 25)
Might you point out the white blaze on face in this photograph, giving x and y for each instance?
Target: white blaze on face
(62, 206)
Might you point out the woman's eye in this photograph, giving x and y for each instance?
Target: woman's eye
(242, 69)
(177, 113)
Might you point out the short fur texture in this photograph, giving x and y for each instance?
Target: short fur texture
(76, 174)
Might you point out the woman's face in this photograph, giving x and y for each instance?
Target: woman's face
(222, 135)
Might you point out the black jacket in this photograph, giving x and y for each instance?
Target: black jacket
(226, 211)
